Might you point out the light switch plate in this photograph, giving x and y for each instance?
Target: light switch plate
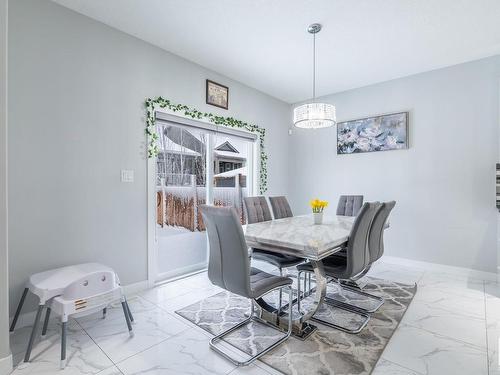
(127, 175)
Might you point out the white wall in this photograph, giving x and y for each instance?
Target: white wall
(77, 118)
(5, 357)
(444, 184)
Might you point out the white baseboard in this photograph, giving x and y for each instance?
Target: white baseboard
(135, 287)
(181, 272)
(452, 270)
(6, 365)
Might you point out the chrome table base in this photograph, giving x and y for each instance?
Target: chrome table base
(301, 328)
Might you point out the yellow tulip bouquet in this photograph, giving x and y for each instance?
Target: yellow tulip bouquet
(317, 208)
(317, 205)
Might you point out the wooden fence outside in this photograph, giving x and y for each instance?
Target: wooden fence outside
(178, 205)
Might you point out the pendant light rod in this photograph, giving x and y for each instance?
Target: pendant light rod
(314, 115)
(314, 29)
(314, 68)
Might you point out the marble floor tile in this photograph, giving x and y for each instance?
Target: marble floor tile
(385, 367)
(151, 326)
(186, 353)
(456, 325)
(198, 281)
(177, 303)
(136, 303)
(113, 370)
(83, 356)
(493, 334)
(252, 370)
(432, 354)
(454, 285)
(20, 337)
(492, 302)
(169, 290)
(492, 299)
(396, 273)
(444, 301)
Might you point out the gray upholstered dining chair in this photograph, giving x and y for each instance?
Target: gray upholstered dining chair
(376, 237)
(349, 205)
(356, 261)
(280, 206)
(229, 268)
(375, 251)
(258, 211)
(375, 243)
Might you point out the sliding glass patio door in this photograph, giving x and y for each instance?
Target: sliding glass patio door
(181, 189)
(196, 165)
(231, 181)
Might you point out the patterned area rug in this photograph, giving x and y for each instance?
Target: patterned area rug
(327, 350)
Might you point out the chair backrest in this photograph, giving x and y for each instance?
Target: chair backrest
(280, 207)
(358, 257)
(93, 284)
(349, 205)
(228, 264)
(88, 294)
(376, 236)
(257, 209)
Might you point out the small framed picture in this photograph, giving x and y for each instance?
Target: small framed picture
(217, 95)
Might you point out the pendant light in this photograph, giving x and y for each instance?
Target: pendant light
(314, 115)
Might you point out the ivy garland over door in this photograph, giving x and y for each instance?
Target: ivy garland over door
(153, 104)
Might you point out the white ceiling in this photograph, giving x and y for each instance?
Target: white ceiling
(264, 43)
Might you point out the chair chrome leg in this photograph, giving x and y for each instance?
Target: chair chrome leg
(18, 310)
(63, 346)
(46, 321)
(360, 275)
(127, 318)
(341, 328)
(129, 312)
(299, 297)
(347, 306)
(380, 300)
(333, 325)
(280, 300)
(356, 284)
(220, 336)
(33, 333)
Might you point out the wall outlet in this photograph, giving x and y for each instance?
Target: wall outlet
(127, 175)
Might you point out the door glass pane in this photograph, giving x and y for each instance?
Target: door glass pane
(231, 161)
(181, 189)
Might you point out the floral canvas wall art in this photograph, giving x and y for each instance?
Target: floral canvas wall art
(377, 133)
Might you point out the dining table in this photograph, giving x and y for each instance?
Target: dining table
(300, 237)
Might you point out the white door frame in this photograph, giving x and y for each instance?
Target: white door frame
(252, 182)
(498, 161)
(151, 226)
